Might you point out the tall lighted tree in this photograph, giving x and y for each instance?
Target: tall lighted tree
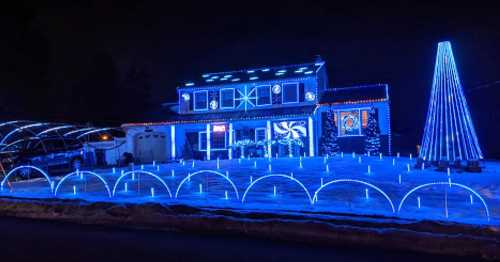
(449, 134)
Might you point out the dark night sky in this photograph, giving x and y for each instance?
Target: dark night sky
(112, 62)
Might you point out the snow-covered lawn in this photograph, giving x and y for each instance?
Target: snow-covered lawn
(317, 186)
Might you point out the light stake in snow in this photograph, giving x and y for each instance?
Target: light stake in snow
(227, 174)
(471, 199)
(125, 187)
(251, 179)
(51, 186)
(154, 163)
(172, 173)
(225, 195)
(200, 187)
(448, 171)
(192, 164)
(366, 194)
(423, 166)
(189, 177)
(321, 181)
(276, 155)
(255, 164)
(380, 156)
(418, 202)
(113, 170)
(410, 157)
(353, 154)
(342, 154)
(269, 168)
(300, 164)
(398, 155)
(122, 172)
(133, 176)
(158, 168)
(393, 161)
(142, 167)
(291, 174)
(399, 179)
(239, 160)
(359, 160)
(274, 191)
(74, 190)
(152, 192)
(408, 167)
(369, 170)
(218, 163)
(327, 168)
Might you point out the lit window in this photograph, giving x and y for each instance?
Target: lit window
(227, 98)
(260, 134)
(291, 93)
(263, 95)
(200, 100)
(349, 123)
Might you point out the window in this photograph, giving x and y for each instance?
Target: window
(260, 134)
(263, 95)
(200, 100)
(349, 123)
(227, 98)
(290, 93)
(217, 141)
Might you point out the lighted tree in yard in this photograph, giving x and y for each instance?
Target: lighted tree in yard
(372, 133)
(449, 134)
(328, 141)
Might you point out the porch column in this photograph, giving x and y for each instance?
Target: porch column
(268, 137)
(172, 141)
(311, 136)
(208, 142)
(230, 150)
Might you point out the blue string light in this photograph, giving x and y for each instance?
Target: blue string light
(449, 133)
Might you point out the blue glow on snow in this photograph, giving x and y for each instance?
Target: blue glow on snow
(81, 173)
(189, 176)
(133, 172)
(14, 170)
(277, 175)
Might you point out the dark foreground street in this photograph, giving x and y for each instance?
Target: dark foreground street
(30, 240)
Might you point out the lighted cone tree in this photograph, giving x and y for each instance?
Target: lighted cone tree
(449, 134)
(372, 134)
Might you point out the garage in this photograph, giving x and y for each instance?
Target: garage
(150, 146)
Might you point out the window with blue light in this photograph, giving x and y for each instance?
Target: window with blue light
(200, 100)
(290, 93)
(263, 95)
(227, 98)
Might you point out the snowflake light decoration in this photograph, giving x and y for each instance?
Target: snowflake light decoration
(247, 98)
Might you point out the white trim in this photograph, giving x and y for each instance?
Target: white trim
(209, 147)
(194, 101)
(311, 136)
(283, 92)
(265, 133)
(257, 95)
(339, 120)
(172, 141)
(230, 149)
(221, 106)
(268, 131)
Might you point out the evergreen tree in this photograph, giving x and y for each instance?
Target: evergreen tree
(372, 133)
(328, 141)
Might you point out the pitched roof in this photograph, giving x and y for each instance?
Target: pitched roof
(355, 94)
(232, 115)
(255, 74)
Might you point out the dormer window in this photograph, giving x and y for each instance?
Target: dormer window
(200, 100)
(290, 93)
(227, 98)
(263, 95)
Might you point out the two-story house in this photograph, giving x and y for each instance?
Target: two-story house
(260, 112)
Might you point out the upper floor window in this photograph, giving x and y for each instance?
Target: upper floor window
(227, 98)
(200, 100)
(263, 95)
(290, 93)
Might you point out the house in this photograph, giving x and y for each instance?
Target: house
(261, 112)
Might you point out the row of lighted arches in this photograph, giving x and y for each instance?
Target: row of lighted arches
(311, 198)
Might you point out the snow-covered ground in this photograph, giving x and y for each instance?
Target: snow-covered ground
(317, 186)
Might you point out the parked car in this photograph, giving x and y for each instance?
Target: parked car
(46, 153)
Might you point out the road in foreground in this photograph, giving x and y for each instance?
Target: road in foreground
(30, 240)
